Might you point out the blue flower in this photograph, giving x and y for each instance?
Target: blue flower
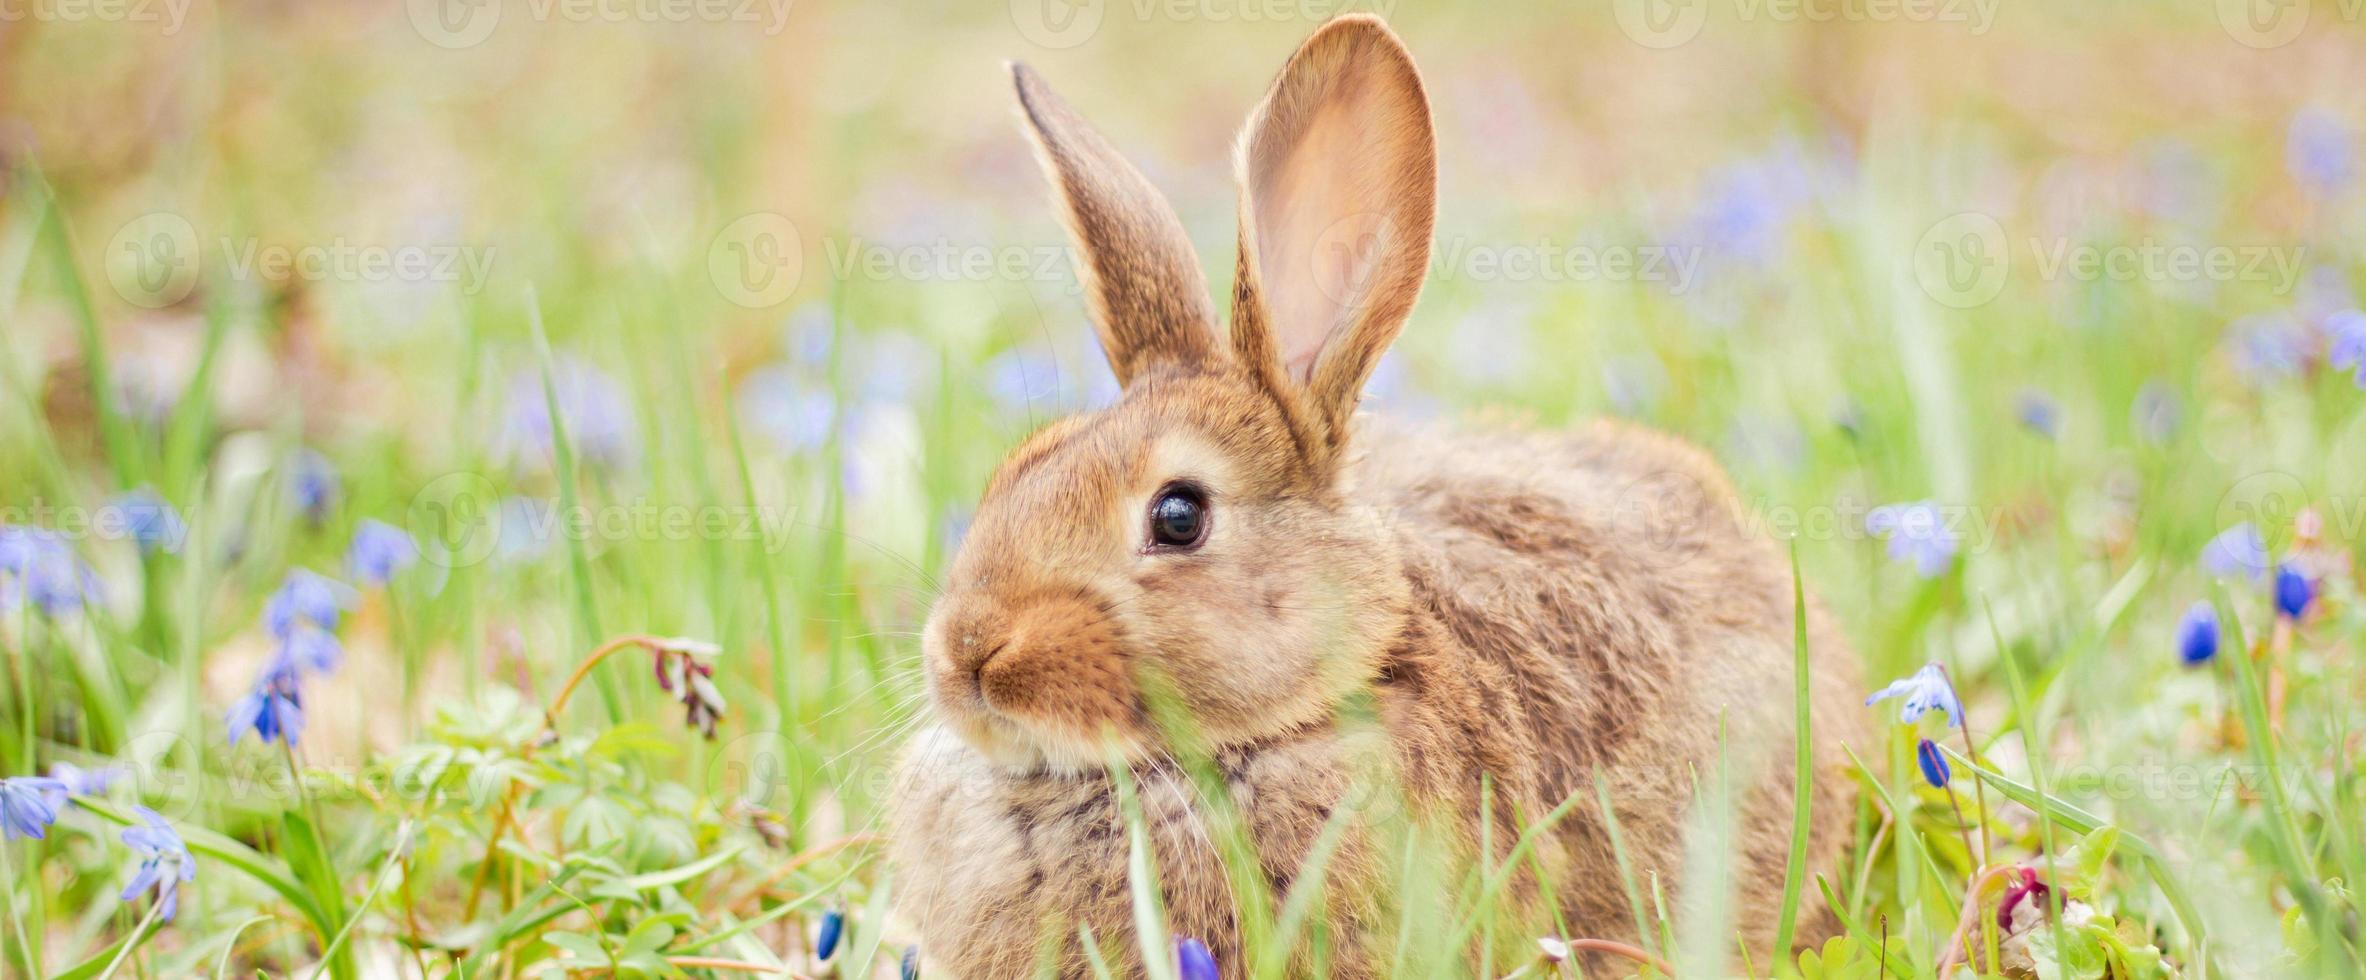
(908, 968)
(2039, 413)
(2320, 150)
(158, 845)
(1193, 961)
(833, 927)
(598, 416)
(311, 647)
(1934, 764)
(2270, 347)
(1926, 691)
(312, 484)
(38, 566)
(2348, 330)
(149, 520)
(274, 710)
(2197, 634)
(795, 415)
(1917, 533)
(2294, 591)
(25, 807)
(2237, 552)
(305, 595)
(378, 551)
(73, 781)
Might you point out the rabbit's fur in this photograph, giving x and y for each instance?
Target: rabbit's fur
(1522, 611)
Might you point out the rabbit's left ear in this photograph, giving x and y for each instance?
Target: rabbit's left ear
(1338, 174)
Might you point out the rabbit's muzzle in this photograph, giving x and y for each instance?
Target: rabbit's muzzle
(1040, 668)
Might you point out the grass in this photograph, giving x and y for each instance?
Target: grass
(786, 479)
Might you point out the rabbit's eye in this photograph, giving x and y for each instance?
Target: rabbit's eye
(1178, 517)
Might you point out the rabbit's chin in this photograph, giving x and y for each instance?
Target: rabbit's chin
(1020, 743)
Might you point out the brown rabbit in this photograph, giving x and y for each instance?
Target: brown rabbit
(1521, 611)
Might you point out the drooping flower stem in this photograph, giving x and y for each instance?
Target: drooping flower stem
(1979, 787)
(584, 669)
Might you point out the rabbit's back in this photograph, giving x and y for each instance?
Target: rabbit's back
(1605, 591)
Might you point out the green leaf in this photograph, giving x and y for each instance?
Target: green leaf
(2083, 863)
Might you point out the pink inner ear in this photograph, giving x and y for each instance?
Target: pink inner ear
(1320, 228)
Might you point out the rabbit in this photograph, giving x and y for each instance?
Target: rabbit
(1334, 601)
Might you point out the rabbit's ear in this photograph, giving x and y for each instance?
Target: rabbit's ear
(1149, 298)
(1338, 173)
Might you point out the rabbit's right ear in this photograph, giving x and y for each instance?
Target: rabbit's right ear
(1149, 299)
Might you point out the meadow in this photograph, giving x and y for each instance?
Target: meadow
(472, 474)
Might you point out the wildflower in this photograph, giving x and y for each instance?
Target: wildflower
(680, 671)
(1554, 949)
(274, 710)
(2157, 412)
(594, 407)
(833, 926)
(1926, 691)
(1917, 533)
(148, 520)
(305, 595)
(312, 485)
(2294, 591)
(2197, 634)
(2236, 551)
(378, 551)
(2269, 347)
(158, 844)
(793, 414)
(73, 781)
(1193, 961)
(2319, 150)
(908, 968)
(1934, 764)
(25, 807)
(2348, 330)
(312, 647)
(2039, 413)
(38, 566)
(2026, 887)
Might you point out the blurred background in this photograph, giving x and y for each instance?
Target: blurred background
(2082, 277)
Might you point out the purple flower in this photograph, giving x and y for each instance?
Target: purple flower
(2320, 150)
(2197, 634)
(1934, 764)
(598, 417)
(25, 807)
(73, 781)
(1926, 691)
(2348, 331)
(1917, 533)
(378, 551)
(165, 862)
(2236, 552)
(680, 672)
(274, 710)
(2027, 887)
(2269, 347)
(2294, 591)
(793, 414)
(312, 484)
(2038, 412)
(149, 520)
(39, 566)
(305, 595)
(1193, 961)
